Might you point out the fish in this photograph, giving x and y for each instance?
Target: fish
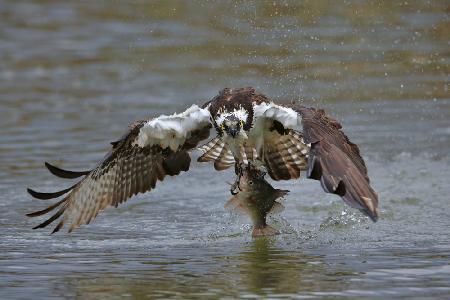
(256, 198)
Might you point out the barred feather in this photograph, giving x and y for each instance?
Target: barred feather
(128, 169)
(225, 159)
(211, 150)
(286, 155)
(216, 150)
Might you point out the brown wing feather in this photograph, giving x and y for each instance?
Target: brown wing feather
(336, 161)
(65, 173)
(127, 170)
(211, 150)
(225, 159)
(285, 155)
(216, 150)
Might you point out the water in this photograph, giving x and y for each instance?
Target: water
(73, 75)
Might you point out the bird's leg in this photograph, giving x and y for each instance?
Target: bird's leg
(239, 168)
(235, 189)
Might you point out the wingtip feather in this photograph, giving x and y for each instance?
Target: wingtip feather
(48, 209)
(373, 215)
(47, 196)
(52, 218)
(58, 227)
(64, 173)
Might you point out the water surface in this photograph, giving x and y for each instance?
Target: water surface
(73, 75)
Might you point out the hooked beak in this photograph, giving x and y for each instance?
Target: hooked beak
(233, 131)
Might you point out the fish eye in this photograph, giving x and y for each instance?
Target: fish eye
(250, 182)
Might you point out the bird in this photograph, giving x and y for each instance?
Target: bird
(284, 140)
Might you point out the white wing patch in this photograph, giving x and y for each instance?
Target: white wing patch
(286, 116)
(172, 131)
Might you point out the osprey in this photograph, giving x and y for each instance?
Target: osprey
(283, 140)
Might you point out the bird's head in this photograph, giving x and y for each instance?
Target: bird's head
(232, 124)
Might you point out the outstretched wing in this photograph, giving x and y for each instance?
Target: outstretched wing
(336, 161)
(148, 152)
(331, 157)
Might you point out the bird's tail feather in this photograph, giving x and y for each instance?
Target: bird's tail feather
(216, 150)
